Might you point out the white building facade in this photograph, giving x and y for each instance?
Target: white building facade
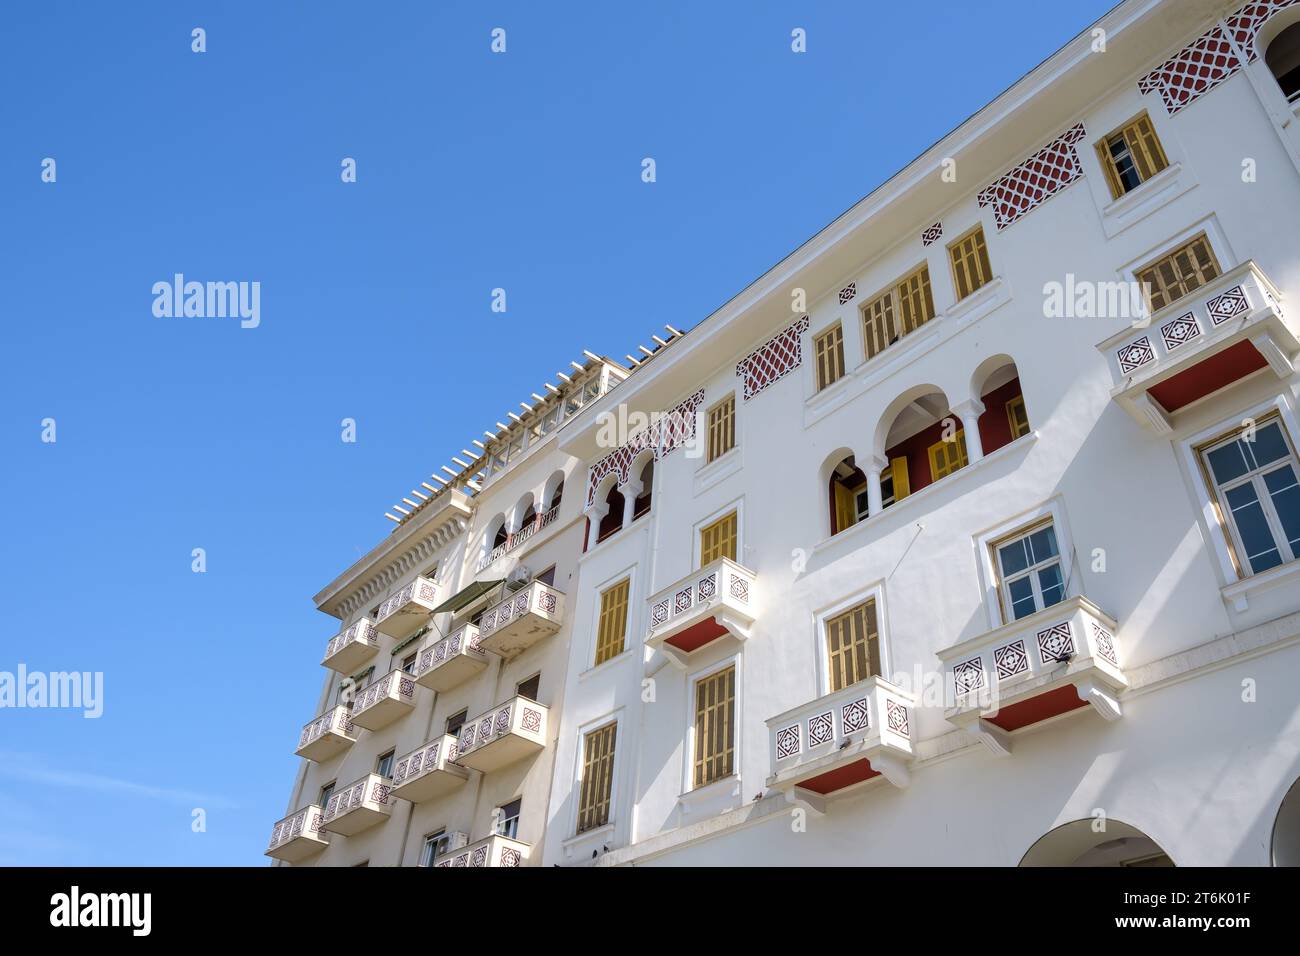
(968, 534)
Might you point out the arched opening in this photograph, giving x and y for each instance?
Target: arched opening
(501, 535)
(922, 441)
(553, 491)
(848, 494)
(642, 503)
(529, 516)
(996, 383)
(1286, 829)
(1283, 59)
(1079, 844)
(613, 520)
(556, 496)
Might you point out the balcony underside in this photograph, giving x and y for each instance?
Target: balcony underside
(379, 715)
(432, 785)
(453, 672)
(502, 752)
(356, 821)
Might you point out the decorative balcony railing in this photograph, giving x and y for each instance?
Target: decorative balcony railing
(1060, 659)
(359, 805)
(516, 539)
(719, 599)
(821, 749)
(298, 836)
(328, 735)
(521, 620)
(492, 851)
(383, 701)
(1225, 330)
(429, 771)
(403, 613)
(451, 661)
(352, 646)
(507, 733)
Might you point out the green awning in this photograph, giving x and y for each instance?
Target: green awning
(465, 596)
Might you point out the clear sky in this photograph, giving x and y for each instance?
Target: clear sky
(474, 171)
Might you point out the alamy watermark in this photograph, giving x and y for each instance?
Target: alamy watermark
(68, 690)
(1086, 299)
(209, 300)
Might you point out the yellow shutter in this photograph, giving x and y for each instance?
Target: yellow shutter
(597, 778)
(1148, 155)
(828, 349)
(846, 511)
(898, 469)
(718, 540)
(1108, 164)
(722, 428)
(1179, 273)
(915, 302)
(1017, 417)
(970, 262)
(715, 701)
(612, 627)
(852, 646)
(878, 328)
(948, 456)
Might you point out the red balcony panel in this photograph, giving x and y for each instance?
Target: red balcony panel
(840, 777)
(1205, 378)
(1062, 700)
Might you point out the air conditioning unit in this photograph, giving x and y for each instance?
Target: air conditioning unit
(518, 578)
(457, 840)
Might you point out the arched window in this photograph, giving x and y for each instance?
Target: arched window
(557, 495)
(1283, 59)
(1005, 417)
(922, 442)
(642, 503)
(529, 516)
(848, 495)
(613, 519)
(501, 536)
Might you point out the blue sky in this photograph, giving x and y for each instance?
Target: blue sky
(474, 171)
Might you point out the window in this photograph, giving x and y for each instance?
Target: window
(642, 504)
(1179, 273)
(1283, 59)
(722, 428)
(611, 628)
(546, 577)
(529, 688)
(384, 765)
(408, 664)
(597, 777)
(1257, 496)
(970, 263)
(715, 706)
(326, 792)
(1131, 155)
(848, 495)
(1017, 417)
(828, 351)
(434, 846)
(947, 456)
(894, 484)
(718, 540)
(507, 819)
(456, 721)
(1029, 570)
(852, 646)
(900, 310)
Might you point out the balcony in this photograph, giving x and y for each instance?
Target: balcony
(403, 613)
(1058, 660)
(352, 647)
(516, 539)
(504, 735)
(451, 661)
(298, 836)
(383, 701)
(358, 806)
(492, 851)
(429, 771)
(328, 735)
(1224, 331)
(833, 745)
(716, 601)
(521, 620)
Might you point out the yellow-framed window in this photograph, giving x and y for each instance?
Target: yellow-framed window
(903, 308)
(611, 628)
(852, 646)
(721, 428)
(1179, 273)
(1131, 155)
(969, 257)
(715, 732)
(915, 301)
(948, 456)
(718, 540)
(828, 355)
(1017, 417)
(597, 784)
(879, 330)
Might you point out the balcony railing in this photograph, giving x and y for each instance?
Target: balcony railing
(1060, 659)
(521, 620)
(821, 749)
(359, 805)
(518, 538)
(403, 613)
(328, 735)
(383, 701)
(718, 600)
(507, 733)
(352, 647)
(492, 851)
(298, 836)
(429, 771)
(1199, 344)
(451, 661)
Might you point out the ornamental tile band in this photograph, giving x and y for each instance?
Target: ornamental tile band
(775, 358)
(1034, 181)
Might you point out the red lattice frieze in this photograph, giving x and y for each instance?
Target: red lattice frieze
(775, 358)
(1037, 179)
(1244, 25)
(1193, 71)
(667, 432)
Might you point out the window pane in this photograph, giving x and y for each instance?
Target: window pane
(1051, 585)
(1252, 527)
(1285, 492)
(1269, 445)
(1014, 557)
(1022, 597)
(1227, 462)
(1042, 544)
